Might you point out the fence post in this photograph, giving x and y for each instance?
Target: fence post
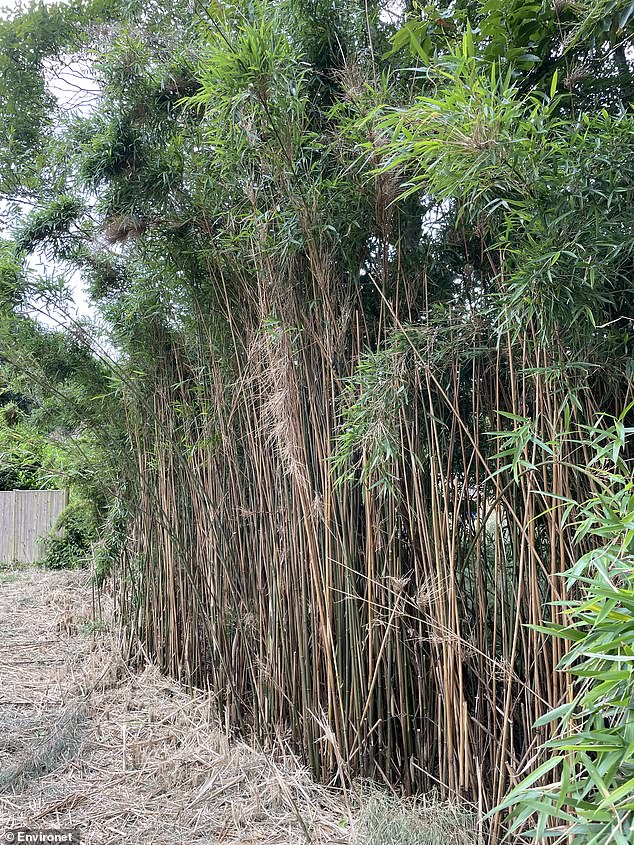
(14, 539)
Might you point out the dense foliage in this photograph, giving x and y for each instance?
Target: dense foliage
(353, 272)
(590, 800)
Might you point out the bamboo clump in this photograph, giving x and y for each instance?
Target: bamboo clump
(377, 617)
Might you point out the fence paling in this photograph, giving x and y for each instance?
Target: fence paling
(26, 517)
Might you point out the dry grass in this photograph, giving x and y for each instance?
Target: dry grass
(423, 821)
(130, 757)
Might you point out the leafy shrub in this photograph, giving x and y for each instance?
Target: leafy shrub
(69, 545)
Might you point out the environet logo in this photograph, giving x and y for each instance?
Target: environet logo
(38, 836)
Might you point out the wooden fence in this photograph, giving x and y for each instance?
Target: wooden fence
(26, 517)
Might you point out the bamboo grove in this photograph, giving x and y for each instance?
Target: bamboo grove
(360, 271)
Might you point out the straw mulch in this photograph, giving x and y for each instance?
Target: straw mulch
(129, 757)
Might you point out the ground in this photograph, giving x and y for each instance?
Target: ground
(129, 757)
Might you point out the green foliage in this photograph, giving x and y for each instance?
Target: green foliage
(369, 442)
(12, 281)
(115, 149)
(592, 799)
(483, 136)
(518, 34)
(541, 188)
(50, 226)
(70, 543)
(108, 539)
(24, 101)
(259, 58)
(28, 459)
(602, 21)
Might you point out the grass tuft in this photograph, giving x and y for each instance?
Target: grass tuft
(56, 747)
(425, 820)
